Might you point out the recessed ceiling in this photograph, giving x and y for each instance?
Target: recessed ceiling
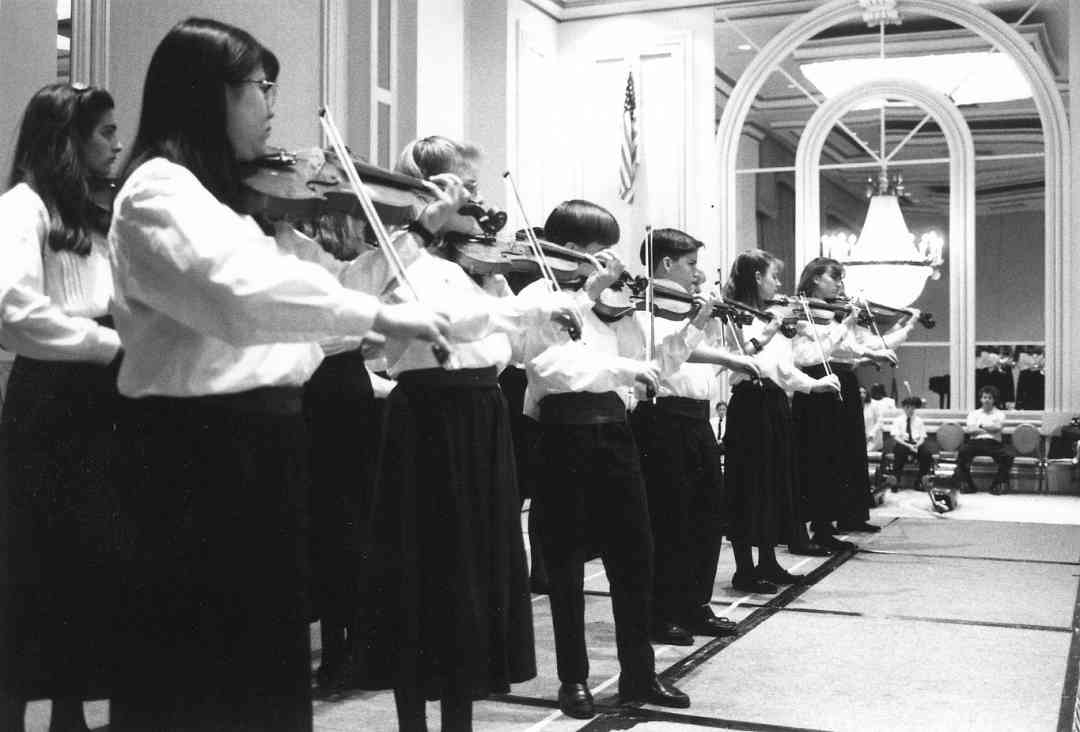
(999, 128)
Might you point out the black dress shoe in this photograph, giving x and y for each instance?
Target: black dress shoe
(709, 625)
(655, 692)
(753, 584)
(809, 550)
(832, 543)
(997, 488)
(670, 634)
(862, 526)
(575, 700)
(779, 576)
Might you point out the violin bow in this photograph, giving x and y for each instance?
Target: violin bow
(534, 244)
(393, 259)
(735, 336)
(530, 236)
(813, 330)
(650, 297)
(873, 324)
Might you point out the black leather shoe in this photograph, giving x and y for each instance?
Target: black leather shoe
(809, 550)
(670, 634)
(708, 624)
(575, 700)
(656, 692)
(779, 576)
(997, 488)
(754, 585)
(832, 543)
(862, 526)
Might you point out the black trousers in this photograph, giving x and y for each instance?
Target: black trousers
(684, 484)
(592, 497)
(1002, 455)
(902, 453)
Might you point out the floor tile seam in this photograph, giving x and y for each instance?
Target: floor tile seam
(924, 619)
(713, 647)
(1068, 713)
(951, 519)
(889, 552)
(615, 713)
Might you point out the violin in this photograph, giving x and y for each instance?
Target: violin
(787, 326)
(885, 317)
(306, 184)
(486, 254)
(820, 311)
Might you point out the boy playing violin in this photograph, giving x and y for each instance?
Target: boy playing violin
(591, 493)
(680, 459)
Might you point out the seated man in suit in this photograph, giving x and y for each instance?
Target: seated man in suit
(984, 429)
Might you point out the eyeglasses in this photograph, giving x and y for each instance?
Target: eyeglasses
(267, 87)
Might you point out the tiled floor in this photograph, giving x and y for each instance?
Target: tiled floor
(932, 625)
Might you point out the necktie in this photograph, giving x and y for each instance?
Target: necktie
(909, 437)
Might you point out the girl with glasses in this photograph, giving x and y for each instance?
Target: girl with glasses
(221, 330)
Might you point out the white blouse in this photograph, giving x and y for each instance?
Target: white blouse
(606, 358)
(482, 318)
(51, 298)
(775, 361)
(206, 303)
(689, 380)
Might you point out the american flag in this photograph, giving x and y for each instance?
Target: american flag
(628, 156)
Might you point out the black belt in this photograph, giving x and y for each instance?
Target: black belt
(584, 407)
(485, 377)
(818, 370)
(680, 406)
(762, 383)
(280, 400)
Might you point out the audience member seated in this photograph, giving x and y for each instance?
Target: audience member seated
(872, 421)
(909, 434)
(984, 429)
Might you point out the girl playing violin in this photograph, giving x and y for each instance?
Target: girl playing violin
(60, 412)
(219, 330)
(590, 494)
(680, 458)
(758, 446)
(445, 522)
(827, 463)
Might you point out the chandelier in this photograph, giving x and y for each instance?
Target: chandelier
(885, 263)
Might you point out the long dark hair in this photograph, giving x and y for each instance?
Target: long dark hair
(58, 120)
(814, 269)
(581, 222)
(742, 282)
(183, 116)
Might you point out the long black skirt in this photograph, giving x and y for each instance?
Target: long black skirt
(342, 418)
(60, 533)
(854, 468)
(448, 595)
(820, 467)
(216, 609)
(758, 462)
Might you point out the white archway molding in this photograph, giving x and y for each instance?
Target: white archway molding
(961, 237)
(1060, 382)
